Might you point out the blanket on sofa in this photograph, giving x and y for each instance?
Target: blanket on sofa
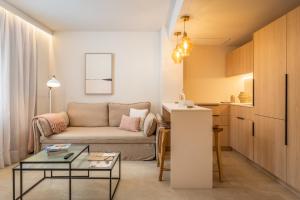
(34, 137)
(57, 124)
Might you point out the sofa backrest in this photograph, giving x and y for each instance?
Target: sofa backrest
(116, 110)
(88, 114)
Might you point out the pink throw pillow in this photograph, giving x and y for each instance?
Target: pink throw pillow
(130, 123)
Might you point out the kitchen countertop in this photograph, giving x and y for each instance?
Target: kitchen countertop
(207, 104)
(217, 104)
(178, 107)
(243, 104)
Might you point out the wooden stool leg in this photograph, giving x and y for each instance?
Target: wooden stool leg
(219, 159)
(162, 156)
(158, 148)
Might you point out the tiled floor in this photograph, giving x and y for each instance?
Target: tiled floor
(139, 181)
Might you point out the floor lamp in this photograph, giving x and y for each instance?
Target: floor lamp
(52, 83)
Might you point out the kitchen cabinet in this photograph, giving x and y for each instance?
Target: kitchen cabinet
(276, 141)
(240, 60)
(269, 148)
(293, 71)
(269, 96)
(245, 137)
(246, 58)
(230, 64)
(233, 63)
(241, 130)
(233, 132)
(270, 69)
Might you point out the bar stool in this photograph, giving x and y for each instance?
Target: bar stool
(163, 138)
(217, 132)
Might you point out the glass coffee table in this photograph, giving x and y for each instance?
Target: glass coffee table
(56, 163)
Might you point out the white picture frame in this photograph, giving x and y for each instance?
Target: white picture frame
(98, 73)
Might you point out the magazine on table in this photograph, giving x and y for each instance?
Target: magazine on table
(99, 164)
(99, 156)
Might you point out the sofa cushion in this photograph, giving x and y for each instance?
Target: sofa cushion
(116, 110)
(98, 135)
(141, 113)
(44, 127)
(130, 123)
(150, 124)
(88, 114)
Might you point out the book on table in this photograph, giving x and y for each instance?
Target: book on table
(57, 148)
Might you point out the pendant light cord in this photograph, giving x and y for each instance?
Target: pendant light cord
(183, 26)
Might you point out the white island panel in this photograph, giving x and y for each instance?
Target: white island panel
(191, 147)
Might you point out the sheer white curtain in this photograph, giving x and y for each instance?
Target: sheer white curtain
(18, 71)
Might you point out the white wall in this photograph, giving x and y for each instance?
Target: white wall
(136, 66)
(44, 56)
(171, 74)
(204, 75)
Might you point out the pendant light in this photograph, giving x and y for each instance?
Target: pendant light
(177, 52)
(186, 44)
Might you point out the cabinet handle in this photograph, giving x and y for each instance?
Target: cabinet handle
(216, 115)
(253, 129)
(286, 110)
(241, 118)
(253, 93)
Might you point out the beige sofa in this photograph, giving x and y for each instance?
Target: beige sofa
(97, 124)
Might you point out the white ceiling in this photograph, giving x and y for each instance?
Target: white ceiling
(230, 22)
(97, 15)
(213, 22)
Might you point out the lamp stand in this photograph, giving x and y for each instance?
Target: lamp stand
(50, 99)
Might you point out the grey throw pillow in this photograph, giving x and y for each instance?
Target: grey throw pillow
(44, 127)
(150, 124)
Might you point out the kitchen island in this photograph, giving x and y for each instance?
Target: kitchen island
(191, 146)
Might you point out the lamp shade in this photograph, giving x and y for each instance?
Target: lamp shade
(53, 82)
(186, 45)
(177, 55)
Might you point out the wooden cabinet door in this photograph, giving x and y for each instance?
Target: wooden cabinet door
(224, 136)
(246, 58)
(240, 60)
(270, 69)
(269, 145)
(233, 132)
(245, 138)
(229, 64)
(221, 118)
(293, 70)
(233, 63)
(236, 61)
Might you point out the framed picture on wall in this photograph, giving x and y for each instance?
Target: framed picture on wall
(98, 73)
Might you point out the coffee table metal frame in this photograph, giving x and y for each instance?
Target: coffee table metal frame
(21, 169)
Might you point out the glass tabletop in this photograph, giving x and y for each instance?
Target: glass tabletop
(57, 157)
(80, 163)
